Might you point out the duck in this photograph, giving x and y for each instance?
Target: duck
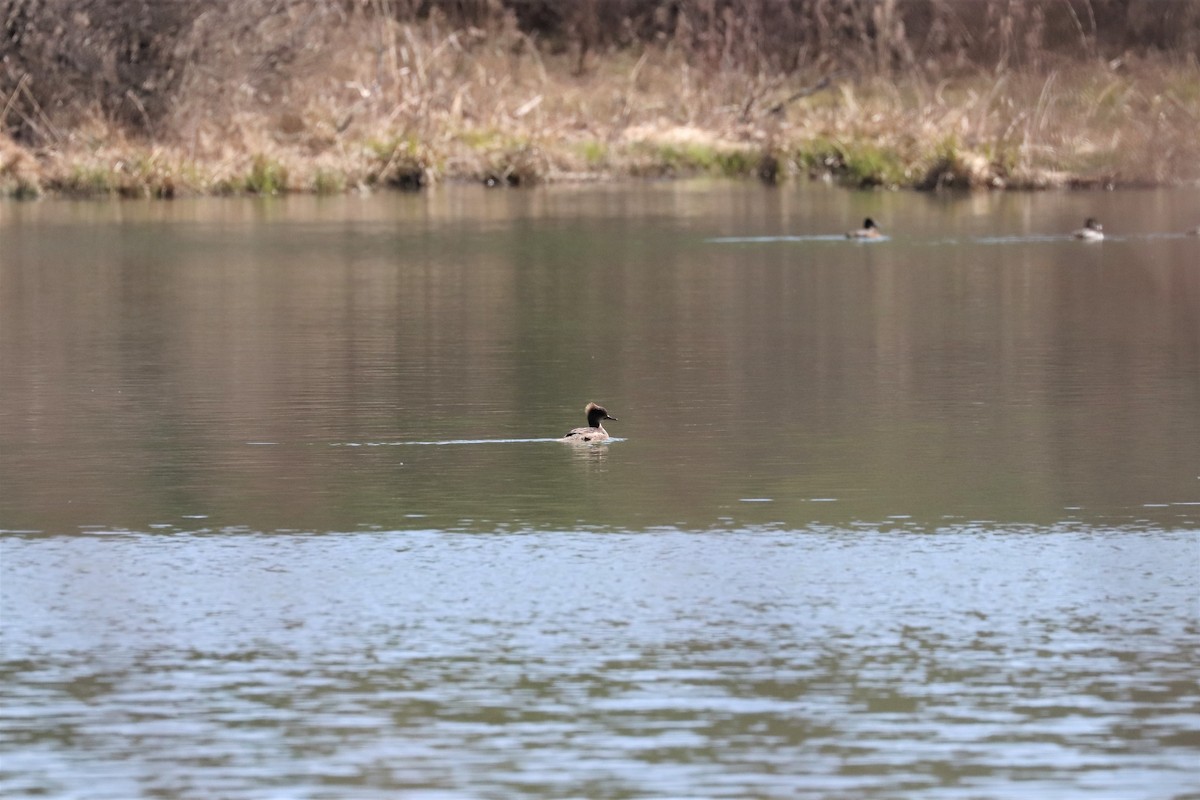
(869, 230)
(594, 432)
(1092, 231)
(1194, 231)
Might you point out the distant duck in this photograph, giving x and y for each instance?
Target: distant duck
(1092, 231)
(594, 432)
(869, 230)
(1194, 231)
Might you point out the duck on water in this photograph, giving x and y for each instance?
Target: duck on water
(1092, 231)
(594, 432)
(869, 230)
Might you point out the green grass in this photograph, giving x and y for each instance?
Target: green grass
(401, 162)
(327, 182)
(947, 169)
(90, 181)
(855, 163)
(696, 159)
(19, 188)
(867, 165)
(266, 177)
(595, 154)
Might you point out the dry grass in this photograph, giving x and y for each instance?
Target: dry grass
(323, 96)
(1090, 124)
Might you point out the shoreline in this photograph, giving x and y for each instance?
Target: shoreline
(156, 171)
(92, 182)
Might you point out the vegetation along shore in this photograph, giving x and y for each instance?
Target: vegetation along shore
(164, 98)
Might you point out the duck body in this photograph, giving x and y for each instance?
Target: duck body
(1092, 231)
(869, 230)
(594, 432)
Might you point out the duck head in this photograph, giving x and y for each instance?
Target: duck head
(596, 414)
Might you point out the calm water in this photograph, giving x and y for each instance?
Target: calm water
(281, 514)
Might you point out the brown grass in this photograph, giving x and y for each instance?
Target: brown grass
(268, 96)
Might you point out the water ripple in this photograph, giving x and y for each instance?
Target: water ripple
(796, 663)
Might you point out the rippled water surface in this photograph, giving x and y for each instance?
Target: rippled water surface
(282, 513)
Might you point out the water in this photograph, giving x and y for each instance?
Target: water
(283, 514)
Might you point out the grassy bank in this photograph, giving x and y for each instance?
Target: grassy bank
(330, 97)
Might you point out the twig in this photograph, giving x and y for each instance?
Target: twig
(12, 98)
(824, 83)
(51, 133)
(1039, 114)
(137, 103)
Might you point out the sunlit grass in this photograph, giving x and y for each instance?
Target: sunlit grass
(400, 162)
(407, 105)
(267, 176)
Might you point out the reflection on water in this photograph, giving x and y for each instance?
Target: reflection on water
(147, 346)
(283, 512)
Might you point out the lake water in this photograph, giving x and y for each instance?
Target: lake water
(282, 514)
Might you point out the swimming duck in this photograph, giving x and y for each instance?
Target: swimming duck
(869, 230)
(594, 432)
(1194, 231)
(1092, 231)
